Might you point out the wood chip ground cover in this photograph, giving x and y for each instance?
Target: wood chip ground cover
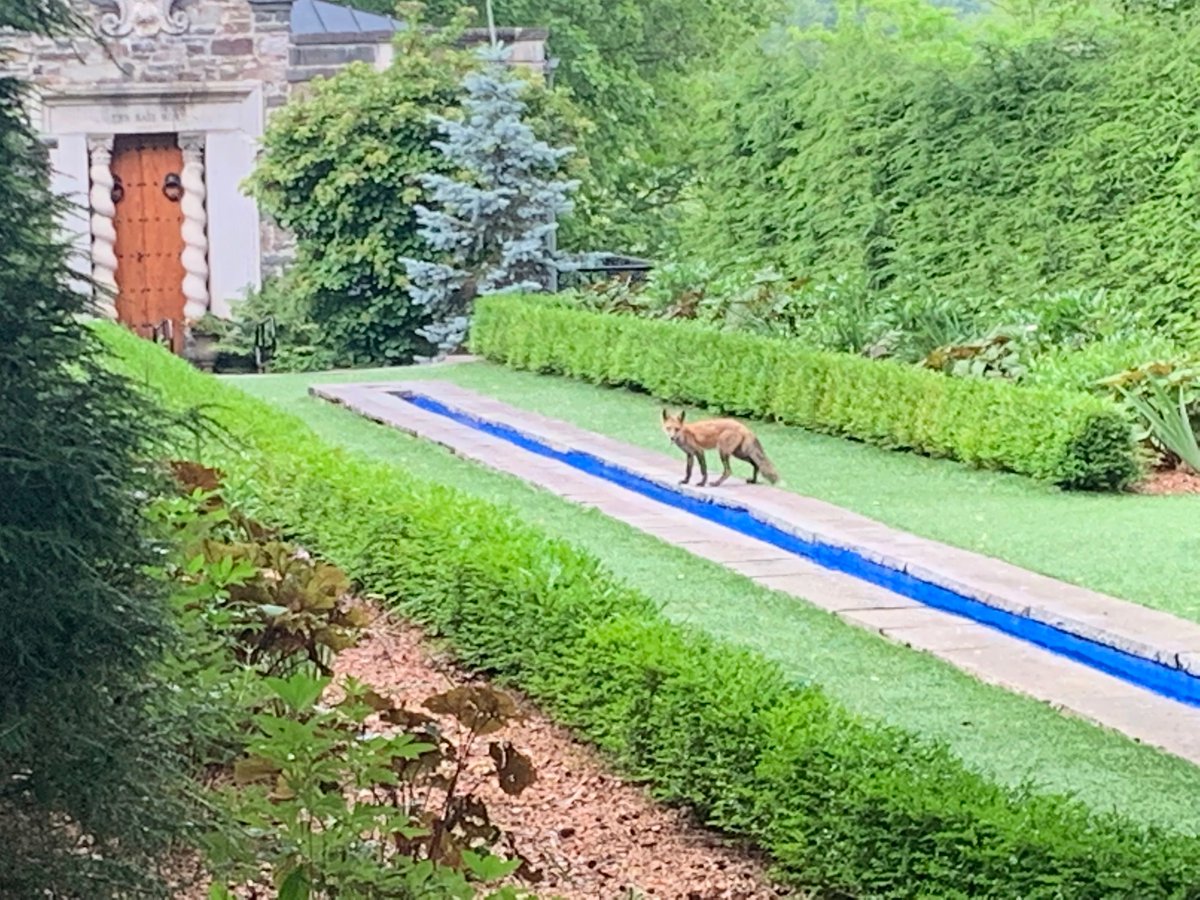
(586, 832)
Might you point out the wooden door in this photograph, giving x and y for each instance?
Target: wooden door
(149, 245)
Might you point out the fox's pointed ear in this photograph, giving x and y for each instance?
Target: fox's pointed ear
(682, 414)
(666, 415)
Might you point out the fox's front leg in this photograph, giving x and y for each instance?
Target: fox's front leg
(703, 468)
(687, 475)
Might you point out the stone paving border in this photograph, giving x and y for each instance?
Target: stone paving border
(985, 652)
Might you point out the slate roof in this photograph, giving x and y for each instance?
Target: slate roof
(317, 17)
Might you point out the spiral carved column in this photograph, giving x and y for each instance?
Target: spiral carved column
(104, 231)
(195, 225)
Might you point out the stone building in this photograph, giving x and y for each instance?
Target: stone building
(153, 120)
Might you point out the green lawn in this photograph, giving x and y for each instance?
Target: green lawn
(1140, 548)
(1006, 736)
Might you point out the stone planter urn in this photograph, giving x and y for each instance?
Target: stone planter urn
(201, 343)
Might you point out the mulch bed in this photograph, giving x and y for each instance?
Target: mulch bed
(589, 835)
(585, 833)
(1169, 481)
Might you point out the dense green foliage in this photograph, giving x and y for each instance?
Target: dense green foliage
(81, 623)
(340, 171)
(1071, 439)
(628, 64)
(907, 151)
(310, 799)
(845, 808)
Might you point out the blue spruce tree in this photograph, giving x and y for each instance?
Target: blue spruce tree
(494, 225)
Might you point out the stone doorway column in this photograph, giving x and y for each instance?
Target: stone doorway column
(195, 228)
(104, 231)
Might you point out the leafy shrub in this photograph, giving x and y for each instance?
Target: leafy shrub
(297, 343)
(333, 807)
(845, 807)
(999, 355)
(340, 169)
(1066, 437)
(1166, 398)
(1081, 368)
(315, 793)
(827, 314)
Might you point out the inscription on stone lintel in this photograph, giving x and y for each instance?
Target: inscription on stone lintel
(146, 115)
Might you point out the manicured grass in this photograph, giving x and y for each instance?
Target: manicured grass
(1140, 548)
(1008, 737)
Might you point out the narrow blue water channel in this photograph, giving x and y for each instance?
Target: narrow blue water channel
(1141, 671)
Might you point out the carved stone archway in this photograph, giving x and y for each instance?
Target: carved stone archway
(144, 18)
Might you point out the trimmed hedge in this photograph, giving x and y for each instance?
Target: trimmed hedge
(1067, 437)
(846, 808)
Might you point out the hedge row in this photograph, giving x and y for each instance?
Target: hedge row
(845, 808)
(1070, 438)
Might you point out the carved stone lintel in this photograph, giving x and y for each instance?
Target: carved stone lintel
(195, 228)
(145, 18)
(104, 231)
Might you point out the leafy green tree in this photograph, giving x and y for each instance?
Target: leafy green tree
(87, 789)
(629, 64)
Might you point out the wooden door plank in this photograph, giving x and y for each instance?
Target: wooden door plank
(149, 235)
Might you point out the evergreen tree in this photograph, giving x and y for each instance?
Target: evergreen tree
(86, 784)
(495, 226)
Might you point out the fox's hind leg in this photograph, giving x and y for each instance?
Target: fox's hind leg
(727, 471)
(745, 457)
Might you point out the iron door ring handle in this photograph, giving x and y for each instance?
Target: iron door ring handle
(173, 187)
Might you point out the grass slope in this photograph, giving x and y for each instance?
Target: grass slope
(1008, 737)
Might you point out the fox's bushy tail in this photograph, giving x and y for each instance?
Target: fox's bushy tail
(756, 454)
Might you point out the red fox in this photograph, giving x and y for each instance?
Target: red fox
(729, 437)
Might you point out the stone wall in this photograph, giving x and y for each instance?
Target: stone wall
(179, 41)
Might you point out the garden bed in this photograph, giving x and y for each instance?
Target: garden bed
(583, 831)
(1162, 482)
